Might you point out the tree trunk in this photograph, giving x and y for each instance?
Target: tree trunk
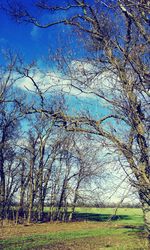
(41, 209)
(146, 213)
(40, 181)
(31, 200)
(31, 194)
(74, 201)
(21, 205)
(61, 201)
(145, 201)
(22, 192)
(2, 187)
(41, 202)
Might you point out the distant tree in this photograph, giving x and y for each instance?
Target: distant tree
(37, 162)
(89, 167)
(9, 134)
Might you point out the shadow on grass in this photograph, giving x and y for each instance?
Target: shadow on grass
(77, 216)
(98, 217)
(141, 228)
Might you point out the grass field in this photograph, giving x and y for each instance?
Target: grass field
(92, 231)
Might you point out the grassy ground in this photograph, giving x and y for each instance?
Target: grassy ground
(93, 231)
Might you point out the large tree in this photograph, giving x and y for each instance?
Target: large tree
(116, 37)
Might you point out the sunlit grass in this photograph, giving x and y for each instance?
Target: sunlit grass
(127, 215)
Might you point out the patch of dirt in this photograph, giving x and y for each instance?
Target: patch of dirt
(98, 243)
(91, 243)
(11, 230)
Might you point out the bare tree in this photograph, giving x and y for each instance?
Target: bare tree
(89, 165)
(9, 125)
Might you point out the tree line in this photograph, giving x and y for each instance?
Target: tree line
(40, 162)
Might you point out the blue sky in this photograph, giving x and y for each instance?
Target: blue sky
(30, 41)
(33, 42)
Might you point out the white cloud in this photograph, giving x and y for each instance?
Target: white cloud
(84, 81)
(92, 78)
(48, 82)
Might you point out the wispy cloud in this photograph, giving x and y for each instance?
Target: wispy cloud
(35, 32)
(3, 40)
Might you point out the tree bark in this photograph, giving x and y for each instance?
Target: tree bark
(61, 201)
(2, 187)
(75, 199)
(145, 201)
(40, 184)
(31, 190)
(146, 214)
(22, 192)
(41, 209)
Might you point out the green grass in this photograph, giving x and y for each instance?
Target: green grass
(125, 215)
(122, 233)
(42, 240)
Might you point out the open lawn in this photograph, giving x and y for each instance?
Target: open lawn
(91, 230)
